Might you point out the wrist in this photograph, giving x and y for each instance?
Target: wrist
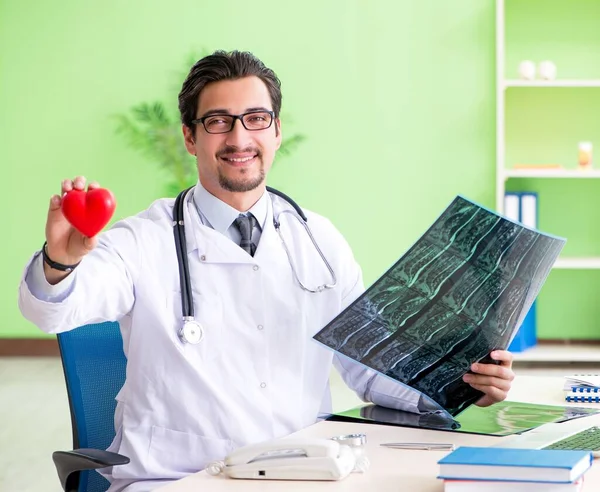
(57, 264)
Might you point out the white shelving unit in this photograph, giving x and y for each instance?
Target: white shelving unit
(502, 173)
(550, 83)
(550, 173)
(582, 263)
(573, 354)
(553, 353)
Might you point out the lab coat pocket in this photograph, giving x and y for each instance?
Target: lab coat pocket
(174, 453)
(208, 311)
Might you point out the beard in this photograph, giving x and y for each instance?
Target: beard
(243, 182)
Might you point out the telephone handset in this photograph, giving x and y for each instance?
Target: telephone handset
(288, 459)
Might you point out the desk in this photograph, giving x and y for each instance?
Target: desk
(393, 469)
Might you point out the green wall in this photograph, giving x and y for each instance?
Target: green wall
(396, 98)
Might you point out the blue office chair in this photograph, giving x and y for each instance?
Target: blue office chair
(94, 366)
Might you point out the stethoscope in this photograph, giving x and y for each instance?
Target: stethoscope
(192, 331)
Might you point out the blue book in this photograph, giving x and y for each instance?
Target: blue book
(525, 465)
(523, 207)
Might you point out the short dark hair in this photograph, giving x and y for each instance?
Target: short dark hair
(223, 65)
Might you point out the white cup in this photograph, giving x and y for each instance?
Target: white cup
(547, 70)
(527, 70)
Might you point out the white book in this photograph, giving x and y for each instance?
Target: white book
(512, 206)
(478, 486)
(529, 210)
(591, 380)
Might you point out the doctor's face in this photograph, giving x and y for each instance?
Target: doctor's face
(234, 159)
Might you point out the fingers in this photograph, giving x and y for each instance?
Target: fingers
(89, 243)
(76, 184)
(503, 356)
(494, 380)
(484, 401)
(477, 381)
(492, 394)
(499, 371)
(54, 203)
(67, 185)
(79, 183)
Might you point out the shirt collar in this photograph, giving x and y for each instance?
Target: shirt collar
(220, 215)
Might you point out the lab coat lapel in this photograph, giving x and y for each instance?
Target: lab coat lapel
(272, 257)
(269, 248)
(207, 245)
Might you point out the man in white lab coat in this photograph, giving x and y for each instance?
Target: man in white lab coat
(256, 374)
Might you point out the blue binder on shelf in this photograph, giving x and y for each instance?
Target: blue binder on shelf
(522, 207)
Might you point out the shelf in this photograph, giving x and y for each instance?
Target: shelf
(559, 352)
(583, 263)
(551, 173)
(552, 83)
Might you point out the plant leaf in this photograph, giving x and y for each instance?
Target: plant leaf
(289, 144)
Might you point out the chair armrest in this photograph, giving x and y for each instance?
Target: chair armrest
(70, 463)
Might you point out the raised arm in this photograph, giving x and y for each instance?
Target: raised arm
(100, 285)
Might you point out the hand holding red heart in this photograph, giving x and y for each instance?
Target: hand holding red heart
(74, 219)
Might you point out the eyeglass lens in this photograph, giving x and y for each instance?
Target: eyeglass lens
(223, 123)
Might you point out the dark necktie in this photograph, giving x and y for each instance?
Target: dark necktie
(245, 224)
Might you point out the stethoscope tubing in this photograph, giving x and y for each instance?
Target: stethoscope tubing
(192, 331)
(187, 304)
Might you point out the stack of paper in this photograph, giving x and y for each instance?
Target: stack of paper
(582, 388)
(526, 470)
(590, 381)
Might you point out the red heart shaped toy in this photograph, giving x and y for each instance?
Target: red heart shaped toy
(90, 211)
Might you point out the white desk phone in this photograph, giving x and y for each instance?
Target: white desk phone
(288, 459)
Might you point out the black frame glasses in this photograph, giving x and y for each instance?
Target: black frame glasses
(235, 117)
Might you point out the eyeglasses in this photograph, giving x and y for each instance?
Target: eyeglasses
(223, 123)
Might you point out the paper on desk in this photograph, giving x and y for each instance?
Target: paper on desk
(461, 291)
(502, 419)
(581, 380)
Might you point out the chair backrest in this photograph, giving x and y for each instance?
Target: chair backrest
(94, 366)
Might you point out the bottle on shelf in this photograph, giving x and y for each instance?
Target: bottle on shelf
(585, 156)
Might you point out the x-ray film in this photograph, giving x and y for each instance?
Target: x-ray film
(502, 419)
(461, 291)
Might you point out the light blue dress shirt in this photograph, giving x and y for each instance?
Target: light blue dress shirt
(218, 215)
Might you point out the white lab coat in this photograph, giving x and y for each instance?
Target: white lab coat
(256, 375)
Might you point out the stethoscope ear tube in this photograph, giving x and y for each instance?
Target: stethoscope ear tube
(296, 207)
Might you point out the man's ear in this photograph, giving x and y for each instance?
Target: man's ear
(189, 139)
(278, 132)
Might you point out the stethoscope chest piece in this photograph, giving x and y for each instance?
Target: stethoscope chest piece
(191, 332)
